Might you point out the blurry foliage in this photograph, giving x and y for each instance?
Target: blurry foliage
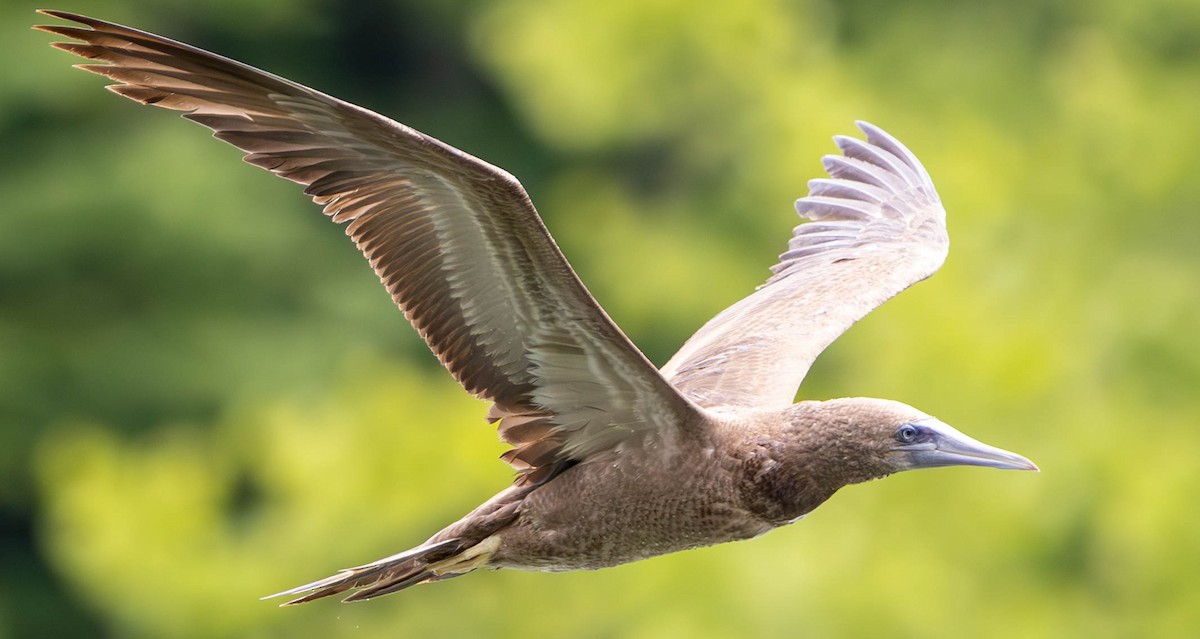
(205, 396)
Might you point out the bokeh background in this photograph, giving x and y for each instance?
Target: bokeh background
(206, 396)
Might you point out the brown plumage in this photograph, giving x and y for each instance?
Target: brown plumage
(617, 461)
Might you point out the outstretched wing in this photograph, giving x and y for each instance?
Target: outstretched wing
(455, 240)
(877, 227)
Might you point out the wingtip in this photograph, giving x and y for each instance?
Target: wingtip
(867, 127)
(62, 15)
(841, 140)
(67, 31)
(877, 136)
(93, 24)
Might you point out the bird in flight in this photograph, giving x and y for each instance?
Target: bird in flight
(616, 460)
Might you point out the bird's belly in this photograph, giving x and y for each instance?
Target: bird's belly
(583, 523)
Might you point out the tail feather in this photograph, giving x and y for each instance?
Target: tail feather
(462, 547)
(387, 587)
(380, 577)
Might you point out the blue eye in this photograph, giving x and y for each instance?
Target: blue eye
(907, 434)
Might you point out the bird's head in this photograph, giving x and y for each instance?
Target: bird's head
(823, 446)
(871, 438)
(793, 465)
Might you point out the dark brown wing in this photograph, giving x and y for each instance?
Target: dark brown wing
(877, 228)
(455, 240)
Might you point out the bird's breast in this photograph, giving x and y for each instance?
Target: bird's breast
(606, 512)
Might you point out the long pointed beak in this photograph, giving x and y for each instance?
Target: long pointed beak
(949, 447)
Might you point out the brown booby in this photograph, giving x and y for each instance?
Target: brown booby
(617, 460)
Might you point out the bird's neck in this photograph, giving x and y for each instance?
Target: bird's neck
(789, 472)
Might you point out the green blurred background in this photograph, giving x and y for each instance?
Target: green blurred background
(206, 396)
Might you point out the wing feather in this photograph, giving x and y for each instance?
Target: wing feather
(455, 240)
(877, 227)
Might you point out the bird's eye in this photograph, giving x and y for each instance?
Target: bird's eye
(907, 434)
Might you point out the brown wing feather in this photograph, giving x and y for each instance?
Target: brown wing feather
(455, 240)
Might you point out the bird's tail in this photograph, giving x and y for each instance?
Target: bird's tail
(428, 562)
